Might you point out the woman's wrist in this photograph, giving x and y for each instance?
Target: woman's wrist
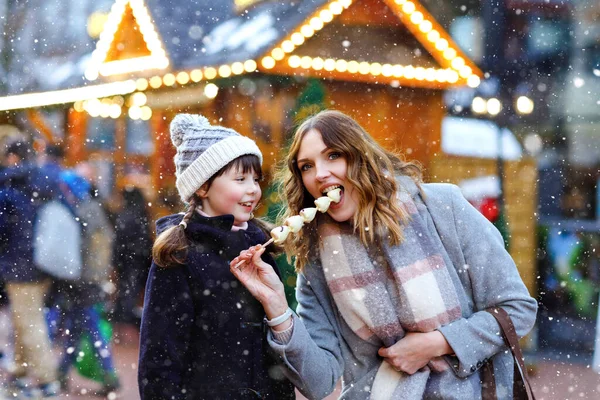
(275, 306)
(441, 346)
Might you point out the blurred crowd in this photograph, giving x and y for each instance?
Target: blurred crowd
(72, 269)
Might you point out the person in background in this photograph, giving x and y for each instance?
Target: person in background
(50, 163)
(394, 279)
(7, 133)
(82, 300)
(88, 172)
(202, 334)
(23, 190)
(132, 255)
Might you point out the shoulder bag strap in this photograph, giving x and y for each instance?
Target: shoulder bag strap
(521, 385)
(488, 382)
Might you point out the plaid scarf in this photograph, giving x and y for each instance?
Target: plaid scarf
(384, 291)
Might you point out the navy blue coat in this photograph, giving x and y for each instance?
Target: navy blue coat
(50, 174)
(203, 334)
(22, 190)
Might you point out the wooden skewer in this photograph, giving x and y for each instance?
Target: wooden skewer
(238, 265)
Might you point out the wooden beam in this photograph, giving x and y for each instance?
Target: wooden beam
(37, 120)
(120, 152)
(75, 150)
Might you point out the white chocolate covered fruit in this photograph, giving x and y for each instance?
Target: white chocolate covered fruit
(335, 195)
(295, 223)
(308, 214)
(280, 233)
(323, 203)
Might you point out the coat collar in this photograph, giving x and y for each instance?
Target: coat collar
(406, 183)
(200, 225)
(222, 222)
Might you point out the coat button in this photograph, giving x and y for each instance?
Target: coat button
(473, 368)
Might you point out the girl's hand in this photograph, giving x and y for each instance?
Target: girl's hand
(415, 350)
(261, 280)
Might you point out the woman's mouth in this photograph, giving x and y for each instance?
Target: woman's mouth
(335, 205)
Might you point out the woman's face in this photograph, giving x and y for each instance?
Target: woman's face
(325, 169)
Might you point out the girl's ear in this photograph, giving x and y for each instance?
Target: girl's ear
(203, 191)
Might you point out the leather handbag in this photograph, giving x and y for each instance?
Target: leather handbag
(521, 385)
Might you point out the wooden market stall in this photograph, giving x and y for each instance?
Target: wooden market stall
(383, 62)
(254, 65)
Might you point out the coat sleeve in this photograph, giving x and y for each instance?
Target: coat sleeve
(495, 281)
(166, 328)
(314, 361)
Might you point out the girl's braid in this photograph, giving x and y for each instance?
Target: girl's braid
(190, 211)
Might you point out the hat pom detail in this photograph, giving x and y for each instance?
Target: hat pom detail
(182, 123)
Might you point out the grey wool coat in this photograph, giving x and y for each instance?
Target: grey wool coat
(324, 348)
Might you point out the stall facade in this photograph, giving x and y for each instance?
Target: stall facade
(253, 66)
(257, 66)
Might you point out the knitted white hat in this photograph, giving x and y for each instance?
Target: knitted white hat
(204, 149)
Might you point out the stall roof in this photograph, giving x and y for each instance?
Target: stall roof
(196, 34)
(208, 33)
(201, 40)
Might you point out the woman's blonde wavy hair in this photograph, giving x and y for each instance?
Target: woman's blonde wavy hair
(371, 170)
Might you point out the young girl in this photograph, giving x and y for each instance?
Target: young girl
(202, 333)
(394, 279)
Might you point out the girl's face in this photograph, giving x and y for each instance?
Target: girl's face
(233, 192)
(324, 169)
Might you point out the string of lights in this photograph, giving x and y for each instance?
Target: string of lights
(456, 68)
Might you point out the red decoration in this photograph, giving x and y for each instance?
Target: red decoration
(489, 209)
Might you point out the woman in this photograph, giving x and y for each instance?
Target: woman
(393, 280)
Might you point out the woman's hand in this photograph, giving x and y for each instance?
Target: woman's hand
(261, 280)
(415, 350)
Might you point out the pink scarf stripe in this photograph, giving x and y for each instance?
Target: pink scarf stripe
(420, 267)
(357, 281)
(364, 332)
(431, 324)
